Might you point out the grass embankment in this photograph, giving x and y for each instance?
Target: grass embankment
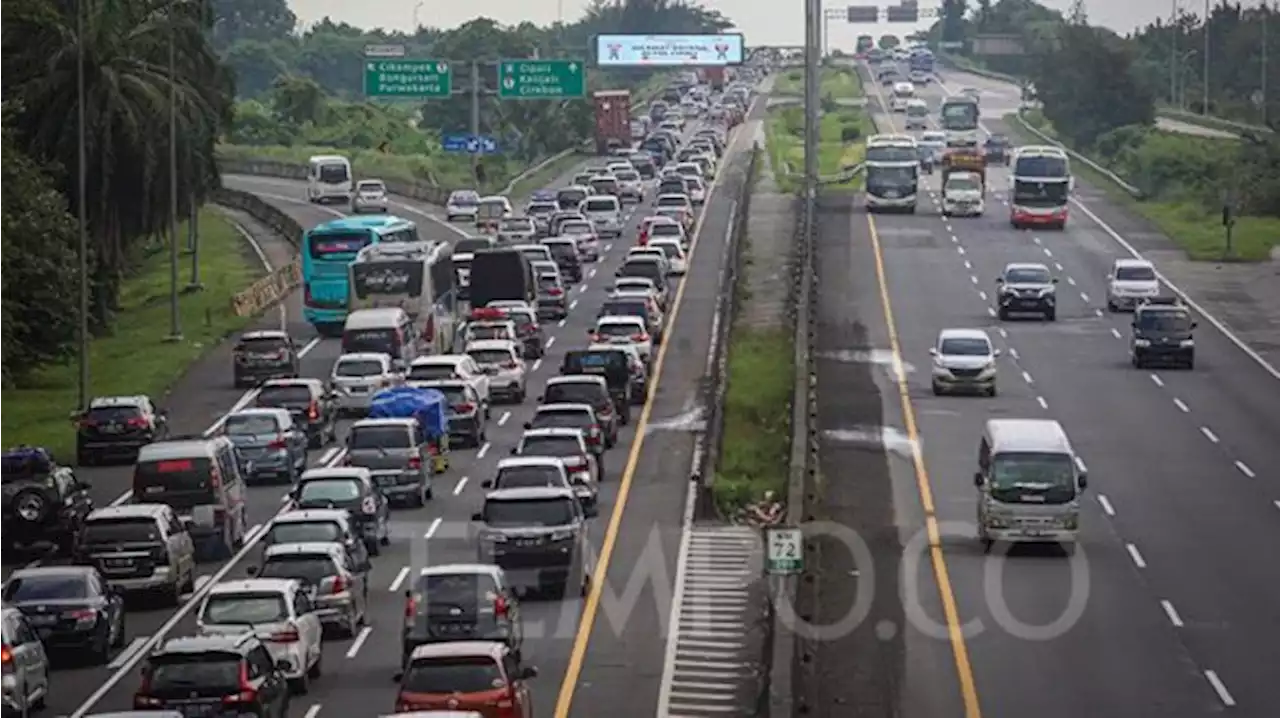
(756, 443)
(544, 176)
(135, 358)
(835, 82)
(841, 134)
(1177, 174)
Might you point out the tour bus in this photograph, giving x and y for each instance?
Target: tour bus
(959, 118)
(892, 164)
(416, 277)
(329, 179)
(327, 249)
(1040, 187)
(902, 94)
(1029, 483)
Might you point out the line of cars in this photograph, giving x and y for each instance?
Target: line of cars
(259, 637)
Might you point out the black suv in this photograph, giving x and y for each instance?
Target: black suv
(214, 676)
(461, 602)
(44, 503)
(1162, 334)
(538, 536)
(262, 355)
(116, 426)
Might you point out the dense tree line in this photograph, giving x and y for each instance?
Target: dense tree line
(128, 77)
(270, 57)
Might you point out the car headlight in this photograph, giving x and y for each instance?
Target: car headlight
(1187, 343)
(564, 535)
(1142, 342)
(988, 370)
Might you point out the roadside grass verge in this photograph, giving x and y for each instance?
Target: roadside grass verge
(544, 176)
(1191, 225)
(439, 170)
(840, 144)
(836, 82)
(756, 443)
(135, 358)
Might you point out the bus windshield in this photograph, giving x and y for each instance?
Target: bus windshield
(1033, 478)
(960, 115)
(1040, 166)
(1040, 194)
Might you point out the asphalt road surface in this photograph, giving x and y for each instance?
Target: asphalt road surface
(1171, 606)
(621, 648)
(1008, 94)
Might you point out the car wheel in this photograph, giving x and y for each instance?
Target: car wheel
(1137, 363)
(316, 668)
(1003, 314)
(991, 391)
(120, 629)
(101, 652)
(1191, 363)
(315, 441)
(937, 389)
(1051, 316)
(300, 686)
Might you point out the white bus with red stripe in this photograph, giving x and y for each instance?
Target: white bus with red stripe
(1040, 187)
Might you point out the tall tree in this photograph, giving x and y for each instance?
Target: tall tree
(250, 20)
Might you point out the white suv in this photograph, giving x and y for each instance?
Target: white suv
(1130, 282)
(453, 366)
(462, 204)
(624, 330)
(281, 614)
(964, 361)
(502, 361)
(605, 214)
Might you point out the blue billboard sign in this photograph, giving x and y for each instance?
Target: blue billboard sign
(465, 143)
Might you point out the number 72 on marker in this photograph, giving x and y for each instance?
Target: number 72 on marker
(784, 550)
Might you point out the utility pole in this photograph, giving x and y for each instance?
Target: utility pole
(812, 47)
(1204, 110)
(475, 119)
(82, 202)
(175, 323)
(1174, 29)
(193, 241)
(1266, 38)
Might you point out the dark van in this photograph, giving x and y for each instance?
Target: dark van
(200, 479)
(501, 274)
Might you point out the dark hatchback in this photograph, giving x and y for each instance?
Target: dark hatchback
(117, 426)
(262, 355)
(460, 602)
(214, 677)
(71, 609)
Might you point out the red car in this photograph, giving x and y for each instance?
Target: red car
(480, 676)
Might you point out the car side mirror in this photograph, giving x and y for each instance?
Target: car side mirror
(1083, 480)
(252, 570)
(997, 352)
(486, 484)
(999, 280)
(477, 517)
(1194, 324)
(528, 425)
(1133, 323)
(933, 351)
(977, 478)
(1110, 277)
(1055, 280)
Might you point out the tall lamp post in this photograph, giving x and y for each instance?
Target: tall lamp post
(82, 132)
(175, 316)
(1204, 109)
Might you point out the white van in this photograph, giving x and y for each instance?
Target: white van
(1029, 483)
(385, 330)
(329, 179)
(902, 94)
(917, 115)
(605, 214)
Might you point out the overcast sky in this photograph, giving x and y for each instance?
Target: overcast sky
(765, 22)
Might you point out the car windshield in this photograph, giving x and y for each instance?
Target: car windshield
(470, 245)
(670, 249)
(184, 671)
(563, 250)
(358, 368)
(561, 419)
(1164, 320)
(669, 201)
(452, 676)
(1033, 471)
(628, 176)
(964, 184)
(329, 490)
(966, 346)
(665, 229)
(528, 512)
(457, 589)
(1136, 274)
(600, 205)
(48, 587)
(245, 608)
(261, 345)
(550, 446)
(250, 424)
(427, 372)
(490, 356)
(540, 208)
(371, 187)
(618, 329)
(308, 568)
(464, 199)
(572, 392)
(120, 531)
(1027, 275)
(379, 437)
(488, 331)
(576, 227)
(548, 281)
(281, 396)
(455, 394)
(524, 477)
(521, 224)
(623, 309)
(304, 532)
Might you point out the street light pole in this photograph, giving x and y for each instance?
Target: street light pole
(1265, 40)
(1204, 109)
(175, 324)
(1174, 29)
(81, 174)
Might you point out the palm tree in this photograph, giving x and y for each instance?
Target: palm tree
(128, 76)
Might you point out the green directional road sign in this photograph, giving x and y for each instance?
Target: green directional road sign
(407, 78)
(541, 79)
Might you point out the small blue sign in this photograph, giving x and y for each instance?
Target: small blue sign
(469, 144)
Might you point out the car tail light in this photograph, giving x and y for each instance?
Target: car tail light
(639, 337)
(215, 477)
(597, 337)
(136, 422)
(509, 364)
(6, 657)
(346, 461)
(507, 704)
(339, 585)
(288, 635)
(555, 291)
(277, 443)
(142, 699)
(415, 462)
(500, 606)
(465, 408)
(247, 693)
(368, 505)
(313, 411)
(429, 329)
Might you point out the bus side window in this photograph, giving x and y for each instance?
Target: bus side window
(984, 456)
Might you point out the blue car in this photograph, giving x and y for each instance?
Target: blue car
(270, 446)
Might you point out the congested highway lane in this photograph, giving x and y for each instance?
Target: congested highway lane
(436, 533)
(1169, 618)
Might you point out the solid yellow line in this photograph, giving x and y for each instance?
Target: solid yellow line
(592, 606)
(959, 650)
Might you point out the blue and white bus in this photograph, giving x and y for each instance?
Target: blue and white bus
(327, 249)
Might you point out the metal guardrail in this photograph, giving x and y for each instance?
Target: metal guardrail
(1190, 118)
(1112, 176)
(279, 282)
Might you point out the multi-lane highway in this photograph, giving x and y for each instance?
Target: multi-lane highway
(1171, 606)
(589, 651)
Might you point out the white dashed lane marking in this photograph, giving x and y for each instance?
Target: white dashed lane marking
(1136, 555)
(1182, 405)
(1208, 434)
(1244, 469)
(1105, 503)
(1172, 613)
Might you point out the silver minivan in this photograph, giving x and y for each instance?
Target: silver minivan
(605, 214)
(26, 666)
(385, 330)
(1029, 483)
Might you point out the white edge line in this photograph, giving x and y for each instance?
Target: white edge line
(128, 652)
(312, 711)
